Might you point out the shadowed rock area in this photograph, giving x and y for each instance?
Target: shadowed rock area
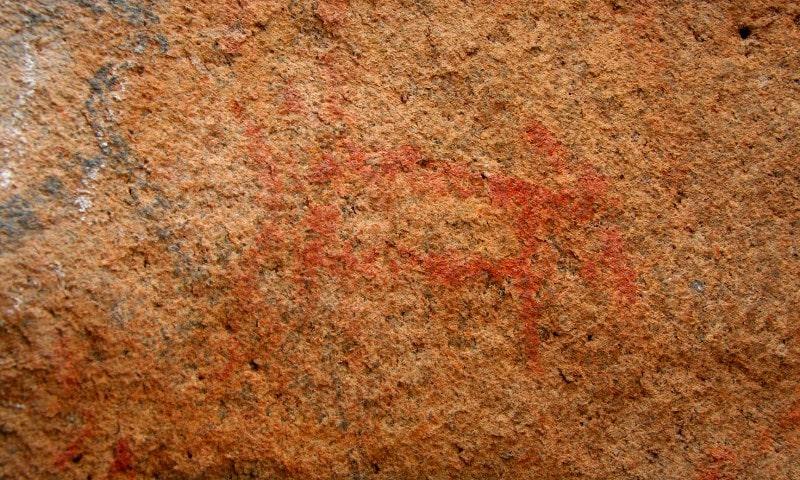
(332, 239)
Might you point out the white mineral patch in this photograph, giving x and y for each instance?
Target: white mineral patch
(12, 134)
(84, 203)
(5, 178)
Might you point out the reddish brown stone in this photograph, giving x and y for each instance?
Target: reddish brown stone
(429, 239)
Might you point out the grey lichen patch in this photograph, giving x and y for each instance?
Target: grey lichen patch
(16, 218)
(163, 43)
(698, 286)
(98, 111)
(52, 186)
(134, 12)
(145, 41)
(91, 167)
(93, 5)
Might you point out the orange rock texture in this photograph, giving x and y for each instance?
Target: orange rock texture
(401, 239)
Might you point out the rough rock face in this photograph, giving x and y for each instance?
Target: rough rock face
(399, 239)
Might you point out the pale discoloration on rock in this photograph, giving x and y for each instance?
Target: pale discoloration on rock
(13, 138)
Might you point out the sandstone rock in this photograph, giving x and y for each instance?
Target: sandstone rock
(401, 239)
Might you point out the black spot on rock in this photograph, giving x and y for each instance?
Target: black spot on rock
(745, 32)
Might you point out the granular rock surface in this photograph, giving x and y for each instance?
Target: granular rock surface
(399, 239)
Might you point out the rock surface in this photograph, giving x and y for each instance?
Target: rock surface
(400, 239)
